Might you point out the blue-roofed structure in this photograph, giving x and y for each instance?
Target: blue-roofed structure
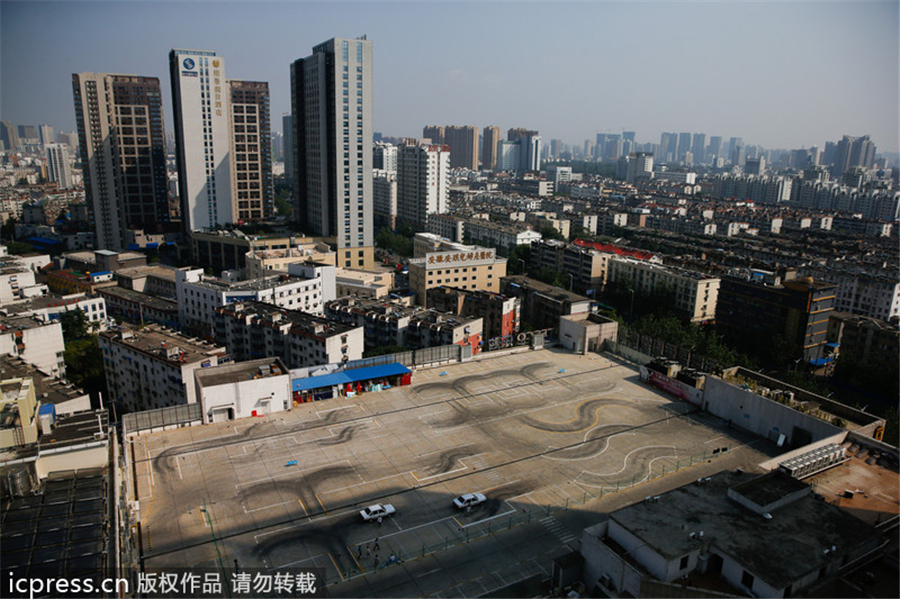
(375, 378)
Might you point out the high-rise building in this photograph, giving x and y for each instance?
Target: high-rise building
(202, 137)
(423, 182)
(287, 139)
(384, 156)
(463, 142)
(684, 145)
(58, 167)
(9, 135)
(613, 146)
(435, 133)
(737, 152)
(508, 155)
(252, 188)
(668, 147)
(698, 148)
(47, 135)
(640, 167)
(492, 136)
(123, 154)
(853, 151)
(530, 153)
(715, 147)
(384, 198)
(28, 134)
(70, 139)
(331, 98)
(755, 166)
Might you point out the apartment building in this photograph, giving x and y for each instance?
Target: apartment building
(252, 330)
(693, 294)
(543, 304)
(501, 314)
(306, 286)
(458, 265)
(153, 367)
(260, 263)
(38, 342)
(587, 262)
(389, 324)
(502, 236)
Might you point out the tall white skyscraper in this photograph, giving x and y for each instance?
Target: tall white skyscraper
(423, 182)
(202, 137)
(58, 167)
(331, 101)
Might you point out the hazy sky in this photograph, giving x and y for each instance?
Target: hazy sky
(778, 74)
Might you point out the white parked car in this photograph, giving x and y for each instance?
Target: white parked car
(468, 500)
(377, 511)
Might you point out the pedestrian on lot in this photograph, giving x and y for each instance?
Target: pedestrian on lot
(358, 551)
(376, 561)
(376, 545)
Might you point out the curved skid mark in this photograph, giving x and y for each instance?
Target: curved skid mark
(345, 435)
(589, 450)
(628, 455)
(449, 460)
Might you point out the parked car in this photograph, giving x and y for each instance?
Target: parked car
(468, 500)
(377, 512)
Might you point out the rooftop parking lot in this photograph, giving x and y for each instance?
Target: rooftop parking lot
(551, 439)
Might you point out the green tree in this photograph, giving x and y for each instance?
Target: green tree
(519, 257)
(579, 232)
(399, 243)
(75, 325)
(19, 248)
(84, 365)
(549, 232)
(283, 202)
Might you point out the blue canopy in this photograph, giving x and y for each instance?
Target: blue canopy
(348, 376)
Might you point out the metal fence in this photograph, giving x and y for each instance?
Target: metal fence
(652, 347)
(161, 418)
(419, 357)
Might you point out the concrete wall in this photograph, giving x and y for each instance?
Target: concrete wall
(91, 455)
(632, 355)
(759, 415)
(600, 561)
(246, 396)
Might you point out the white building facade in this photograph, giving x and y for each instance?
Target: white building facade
(202, 134)
(423, 183)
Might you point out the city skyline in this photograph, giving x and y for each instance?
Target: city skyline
(778, 75)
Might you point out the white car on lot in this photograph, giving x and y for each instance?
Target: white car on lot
(377, 512)
(468, 500)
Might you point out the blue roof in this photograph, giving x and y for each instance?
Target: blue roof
(348, 376)
(43, 240)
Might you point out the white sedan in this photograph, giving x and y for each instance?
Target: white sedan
(468, 500)
(377, 512)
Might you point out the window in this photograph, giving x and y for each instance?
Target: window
(747, 580)
(684, 563)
